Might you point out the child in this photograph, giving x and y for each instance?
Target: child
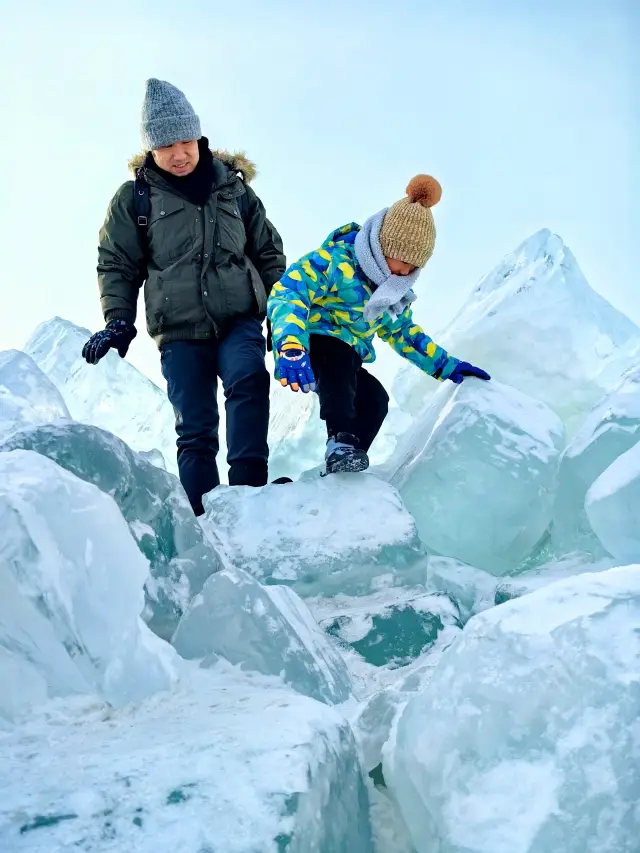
(327, 308)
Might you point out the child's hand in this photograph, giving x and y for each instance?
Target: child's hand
(294, 368)
(465, 369)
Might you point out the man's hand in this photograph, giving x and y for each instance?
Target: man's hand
(118, 335)
(464, 369)
(294, 369)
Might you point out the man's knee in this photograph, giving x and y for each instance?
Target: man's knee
(241, 355)
(248, 376)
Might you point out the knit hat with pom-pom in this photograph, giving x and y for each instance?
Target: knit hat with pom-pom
(408, 232)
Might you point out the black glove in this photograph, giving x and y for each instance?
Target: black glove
(118, 335)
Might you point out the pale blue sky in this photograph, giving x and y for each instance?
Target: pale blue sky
(522, 110)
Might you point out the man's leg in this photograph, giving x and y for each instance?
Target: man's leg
(372, 406)
(246, 387)
(335, 366)
(189, 368)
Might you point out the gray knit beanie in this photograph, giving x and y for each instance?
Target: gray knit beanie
(167, 116)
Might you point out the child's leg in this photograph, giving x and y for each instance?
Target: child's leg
(372, 405)
(335, 366)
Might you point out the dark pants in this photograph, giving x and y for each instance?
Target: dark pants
(191, 369)
(351, 400)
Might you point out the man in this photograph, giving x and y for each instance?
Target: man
(208, 257)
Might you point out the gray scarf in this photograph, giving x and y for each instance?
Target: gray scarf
(393, 292)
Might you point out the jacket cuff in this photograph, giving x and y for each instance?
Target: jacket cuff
(449, 367)
(119, 314)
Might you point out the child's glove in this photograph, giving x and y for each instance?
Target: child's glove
(294, 368)
(463, 369)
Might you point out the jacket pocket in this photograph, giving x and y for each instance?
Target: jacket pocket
(184, 299)
(156, 303)
(231, 234)
(258, 288)
(170, 236)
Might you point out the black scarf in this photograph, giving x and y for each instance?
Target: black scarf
(197, 186)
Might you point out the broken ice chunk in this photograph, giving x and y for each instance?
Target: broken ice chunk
(73, 578)
(472, 589)
(263, 630)
(611, 428)
(613, 507)
(540, 576)
(151, 500)
(224, 763)
(337, 534)
(27, 396)
(525, 739)
(478, 473)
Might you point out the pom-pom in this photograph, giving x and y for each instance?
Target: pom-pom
(424, 189)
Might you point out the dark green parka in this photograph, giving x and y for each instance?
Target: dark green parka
(202, 267)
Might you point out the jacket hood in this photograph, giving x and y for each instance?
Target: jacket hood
(236, 162)
(342, 236)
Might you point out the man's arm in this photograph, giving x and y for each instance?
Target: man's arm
(264, 244)
(122, 268)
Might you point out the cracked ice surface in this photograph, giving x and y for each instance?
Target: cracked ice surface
(526, 738)
(224, 764)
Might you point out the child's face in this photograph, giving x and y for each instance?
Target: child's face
(399, 267)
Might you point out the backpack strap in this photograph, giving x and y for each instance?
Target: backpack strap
(243, 205)
(141, 206)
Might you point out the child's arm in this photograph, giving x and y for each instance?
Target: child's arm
(290, 302)
(411, 342)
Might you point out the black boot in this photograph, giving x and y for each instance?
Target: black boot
(344, 456)
(248, 472)
(279, 481)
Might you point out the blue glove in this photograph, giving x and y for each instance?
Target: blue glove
(118, 335)
(294, 369)
(463, 369)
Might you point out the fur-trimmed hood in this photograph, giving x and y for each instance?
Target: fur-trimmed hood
(236, 162)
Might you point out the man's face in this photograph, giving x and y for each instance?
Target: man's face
(179, 159)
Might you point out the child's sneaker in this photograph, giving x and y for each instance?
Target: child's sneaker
(343, 456)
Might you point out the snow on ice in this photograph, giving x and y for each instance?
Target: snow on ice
(344, 533)
(225, 763)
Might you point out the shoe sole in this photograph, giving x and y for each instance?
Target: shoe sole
(352, 466)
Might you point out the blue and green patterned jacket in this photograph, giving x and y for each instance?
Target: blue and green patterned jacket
(325, 292)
